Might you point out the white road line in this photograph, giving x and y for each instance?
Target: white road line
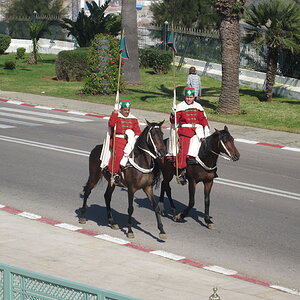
(167, 255)
(12, 121)
(238, 184)
(3, 126)
(43, 145)
(260, 189)
(112, 239)
(28, 112)
(31, 118)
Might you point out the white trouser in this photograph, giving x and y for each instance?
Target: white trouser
(131, 138)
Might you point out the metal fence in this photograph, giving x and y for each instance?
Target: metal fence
(19, 284)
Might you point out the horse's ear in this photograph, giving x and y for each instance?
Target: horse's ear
(162, 122)
(225, 128)
(147, 122)
(216, 130)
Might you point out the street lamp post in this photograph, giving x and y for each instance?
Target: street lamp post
(166, 23)
(34, 16)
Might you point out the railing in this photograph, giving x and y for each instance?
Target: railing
(19, 284)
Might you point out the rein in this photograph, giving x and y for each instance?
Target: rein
(135, 165)
(218, 154)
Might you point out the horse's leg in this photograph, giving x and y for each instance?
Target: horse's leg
(207, 188)
(107, 197)
(192, 189)
(130, 233)
(165, 187)
(95, 175)
(149, 192)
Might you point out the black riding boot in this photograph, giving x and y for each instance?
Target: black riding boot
(181, 176)
(117, 179)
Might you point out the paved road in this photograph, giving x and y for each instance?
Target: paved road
(264, 228)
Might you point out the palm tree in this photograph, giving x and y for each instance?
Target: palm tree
(230, 12)
(129, 26)
(86, 27)
(275, 24)
(36, 31)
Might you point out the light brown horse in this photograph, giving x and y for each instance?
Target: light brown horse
(143, 174)
(219, 143)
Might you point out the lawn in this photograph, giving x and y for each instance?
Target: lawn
(155, 93)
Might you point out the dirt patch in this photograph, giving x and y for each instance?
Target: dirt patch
(50, 78)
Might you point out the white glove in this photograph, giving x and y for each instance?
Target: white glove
(116, 107)
(200, 132)
(206, 131)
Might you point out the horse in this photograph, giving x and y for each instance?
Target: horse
(142, 173)
(204, 169)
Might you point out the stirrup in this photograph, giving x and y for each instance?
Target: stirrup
(181, 178)
(117, 179)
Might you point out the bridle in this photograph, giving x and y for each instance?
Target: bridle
(153, 155)
(229, 157)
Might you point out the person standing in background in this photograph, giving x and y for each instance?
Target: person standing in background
(194, 81)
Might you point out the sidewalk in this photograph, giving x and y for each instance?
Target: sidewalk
(86, 258)
(238, 132)
(74, 256)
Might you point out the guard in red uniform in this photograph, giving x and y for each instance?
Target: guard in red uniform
(191, 121)
(126, 131)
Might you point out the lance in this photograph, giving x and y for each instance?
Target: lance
(174, 103)
(117, 101)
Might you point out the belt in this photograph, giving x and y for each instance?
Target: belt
(193, 125)
(121, 136)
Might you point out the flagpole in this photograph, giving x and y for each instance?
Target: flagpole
(117, 101)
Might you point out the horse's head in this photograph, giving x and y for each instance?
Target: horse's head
(155, 139)
(226, 144)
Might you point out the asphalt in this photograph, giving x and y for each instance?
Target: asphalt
(34, 244)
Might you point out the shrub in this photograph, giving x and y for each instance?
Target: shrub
(20, 53)
(4, 42)
(158, 60)
(9, 65)
(103, 68)
(71, 65)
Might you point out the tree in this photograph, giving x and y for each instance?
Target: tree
(192, 14)
(36, 30)
(275, 24)
(86, 27)
(230, 12)
(129, 26)
(25, 8)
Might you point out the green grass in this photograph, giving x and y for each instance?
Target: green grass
(155, 93)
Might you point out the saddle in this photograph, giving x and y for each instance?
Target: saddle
(189, 160)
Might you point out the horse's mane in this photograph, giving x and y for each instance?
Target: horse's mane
(142, 142)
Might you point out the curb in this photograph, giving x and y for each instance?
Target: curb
(168, 255)
(165, 127)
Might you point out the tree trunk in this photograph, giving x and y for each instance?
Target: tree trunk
(229, 102)
(271, 72)
(129, 25)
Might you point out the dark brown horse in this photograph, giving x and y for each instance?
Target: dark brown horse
(143, 173)
(204, 170)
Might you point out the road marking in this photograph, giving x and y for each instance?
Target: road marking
(238, 184)
(220, 270)
(3, 126)
(167, 254)
(31, 118)
(44, 146)
(19, 122)
(27, 112)
(258, 188)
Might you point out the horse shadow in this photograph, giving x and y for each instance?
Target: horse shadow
(97, 214)
(194, 214)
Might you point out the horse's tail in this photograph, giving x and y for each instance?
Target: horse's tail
(95, 172)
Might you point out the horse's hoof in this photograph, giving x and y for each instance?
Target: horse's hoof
(177, 218)
(130, 235)
(82, 220)
(162, 236)
(115, 227)
(211, 226)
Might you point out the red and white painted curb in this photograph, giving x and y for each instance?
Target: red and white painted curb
(168, 255)
(106, 117)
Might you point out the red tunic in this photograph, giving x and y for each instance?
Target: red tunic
(187, 114)
(122, 124)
